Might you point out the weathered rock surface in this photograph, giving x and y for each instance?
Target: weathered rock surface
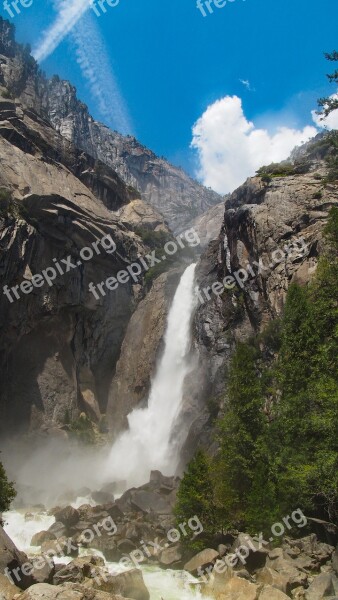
(271, 593)
(7, 589)
(270, 577)
(78, 570)
(129, 584)
(11, 558)
(335, 561)
(171, 557)
(43, 570)
(323, 586)
(291, 571)
(137, 214)
(235, 588)
(68, 516)
(261, 221)
(68, 591)
(43, 536)
(62, 340)
(201, 560)
(165, 187)
(208, 224)
(140, 350)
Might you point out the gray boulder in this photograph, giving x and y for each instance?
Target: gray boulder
(68, 516)
(58, 529)
(148, 502)
(270, 593)
(129, 584)
(107, 545)
(335, 561)
(43, 570)
(43, 536)
(171, 557)
(12, 559)
(7, 589)
(287, 568)
(322, 586)
(78, 570)
(60, 547)
(270, 577)
(235, 588)
(102, 497)
(252, 559)
(67, 591)
(126, 546)
(201, 560)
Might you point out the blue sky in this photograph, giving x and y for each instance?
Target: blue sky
(170, 63)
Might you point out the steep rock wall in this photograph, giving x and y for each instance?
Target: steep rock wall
(261, 218)
(62, 341)
(165, 187)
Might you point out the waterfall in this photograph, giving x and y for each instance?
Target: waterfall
(147, 444)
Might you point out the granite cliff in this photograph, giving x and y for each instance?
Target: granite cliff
(165, 187)
(68, 181)
(62, 341)
(272, 224)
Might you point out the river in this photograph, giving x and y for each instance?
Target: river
(166, 584)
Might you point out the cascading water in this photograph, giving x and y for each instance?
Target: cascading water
(147, 444)
(21, 527)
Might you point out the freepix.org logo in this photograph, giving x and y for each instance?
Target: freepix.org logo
(207, 6)
(99, 7)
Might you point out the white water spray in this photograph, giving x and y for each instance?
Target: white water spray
(147, 444)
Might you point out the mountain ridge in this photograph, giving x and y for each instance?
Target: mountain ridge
(167, 188)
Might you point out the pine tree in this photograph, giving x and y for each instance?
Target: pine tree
(330, 104)
(196, 496)
(7, 491)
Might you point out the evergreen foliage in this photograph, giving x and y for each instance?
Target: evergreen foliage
(329, 104)
(196, 497)
(271, 464)
(7, 491)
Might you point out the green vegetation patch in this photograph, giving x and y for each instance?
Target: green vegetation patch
(278, 439)
(7, 491)
(283, 169)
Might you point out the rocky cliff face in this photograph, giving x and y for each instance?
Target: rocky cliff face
(165, 187)
(141, 348)
(271, 236)
(209, 223)
(56, 199)
(61, 339)
(75, 351)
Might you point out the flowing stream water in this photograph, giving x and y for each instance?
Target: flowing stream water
(148, 443)
(166, 584)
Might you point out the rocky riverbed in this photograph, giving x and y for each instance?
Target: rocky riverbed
(130, 547)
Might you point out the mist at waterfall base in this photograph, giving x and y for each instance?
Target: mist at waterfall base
(148, 443)
(53, 470)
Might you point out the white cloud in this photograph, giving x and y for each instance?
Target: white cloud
(247, 84)
(230, 148)
(330, 122)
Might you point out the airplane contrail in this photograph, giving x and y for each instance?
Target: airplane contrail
(68, 15)
(96, 68)
(91, 56)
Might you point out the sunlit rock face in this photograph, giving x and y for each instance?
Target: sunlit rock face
(62, 341)
(165, 187)
(261, 219)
